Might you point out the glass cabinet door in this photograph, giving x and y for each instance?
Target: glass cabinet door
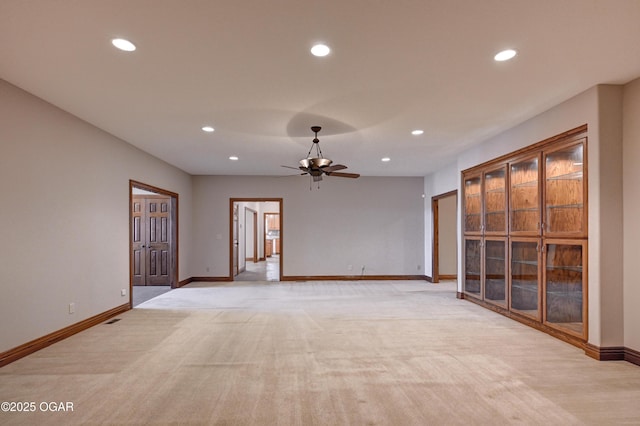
(472, 205)
(524, 198)
(564, 286)
(472, 265)
(495, 201)
(564, 213)
(525, 291)
(495, 276)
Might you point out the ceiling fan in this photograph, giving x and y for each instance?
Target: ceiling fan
(318, 165)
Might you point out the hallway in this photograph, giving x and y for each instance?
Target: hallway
(268, 270)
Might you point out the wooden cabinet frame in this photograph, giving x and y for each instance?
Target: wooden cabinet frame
(495, 188)
(472, 256)
(473, 212)
(544, 196)
(568, 313)
(525, 256)
(495, 271)
(525, 196)
(578, 191)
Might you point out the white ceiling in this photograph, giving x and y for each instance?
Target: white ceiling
(244, 67)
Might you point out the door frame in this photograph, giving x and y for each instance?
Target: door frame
(252, 200)
(174, 232)
(435, 251)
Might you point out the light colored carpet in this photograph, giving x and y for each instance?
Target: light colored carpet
(319, 353)
(143, 293)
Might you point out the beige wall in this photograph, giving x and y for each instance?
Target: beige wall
(438, 183)
(599, 108)
(631, 173)
(372, 222)
(64, 222)
(447, 236)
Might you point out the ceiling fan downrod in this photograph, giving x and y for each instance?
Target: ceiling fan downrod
(315, 129)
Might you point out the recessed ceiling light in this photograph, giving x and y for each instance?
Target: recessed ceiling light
(320, 50)
(123, 44)
(385, 159)
(208, 129)
(505, 55)
(233, 158)
(417, 132)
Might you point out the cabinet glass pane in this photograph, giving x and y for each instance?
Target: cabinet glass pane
(564, 191)
(472, 267)
(472, 206)
(495, 279)
(563, 286)
(525, 207)
(495, 201)
(524, 277)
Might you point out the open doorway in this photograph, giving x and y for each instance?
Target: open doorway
(255, 246)
(153, 237)
(445, 238)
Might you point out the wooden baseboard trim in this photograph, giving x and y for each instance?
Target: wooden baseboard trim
(185, 282)
(352, 277)
(612, 353)
(459, 295)
(632, 356)
(428, 278)
(21, 351)
(448, 277)
(211, 279)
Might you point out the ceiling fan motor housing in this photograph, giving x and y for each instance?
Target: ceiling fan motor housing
(315, 163)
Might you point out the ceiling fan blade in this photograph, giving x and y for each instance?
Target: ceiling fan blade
(289, 167)
(317, 178)
(335, 168)
(347, 175)
(297, 174)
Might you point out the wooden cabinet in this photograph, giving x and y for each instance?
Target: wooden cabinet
(524, 196)
(565, 191)
(495, 202)
(565, 285)
(473, 205)
(473, 267)
(485, 201)
(524, 278)
(525, 218)
(495, 271)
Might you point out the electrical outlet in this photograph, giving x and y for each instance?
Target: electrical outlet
(208, 269)
(123, 292)
(419, 267)
(349, 267)
(72, 308)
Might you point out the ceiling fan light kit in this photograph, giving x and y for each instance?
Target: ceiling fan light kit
(317, 166)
